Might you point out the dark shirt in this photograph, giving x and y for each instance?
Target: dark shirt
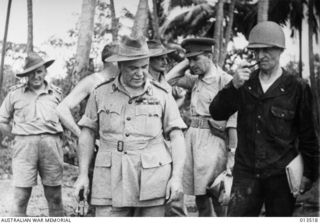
(272, 126)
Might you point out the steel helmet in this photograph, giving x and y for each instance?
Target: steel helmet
(266, 34)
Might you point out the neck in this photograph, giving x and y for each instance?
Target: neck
(267, 74)
(155, 74)
(210, 71)
(131, 91)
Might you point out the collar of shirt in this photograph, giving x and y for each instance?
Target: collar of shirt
(212, 76)
(117, 86)
(48, 88)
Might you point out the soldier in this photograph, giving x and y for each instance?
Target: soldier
(82, 90)
(37, 145)
(135, 174)
(207, 151)
(157, 70)
(275, 122)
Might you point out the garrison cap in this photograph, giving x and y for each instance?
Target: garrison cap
(196, 46)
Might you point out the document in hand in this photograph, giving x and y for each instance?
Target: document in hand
(294, 171)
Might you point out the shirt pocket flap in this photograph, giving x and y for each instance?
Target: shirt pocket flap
(155, 159)
(282, 113)
(110, 109)
(103, 159)
(148, 110)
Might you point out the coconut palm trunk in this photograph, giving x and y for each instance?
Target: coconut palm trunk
(313, 79)
(218, 31)
(30, 27)
(155, 21)
(84, 41)
(114, 21)
(4, 42)
(228, 32)
(263, 8)
(141, 20)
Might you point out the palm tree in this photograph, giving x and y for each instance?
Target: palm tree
(263, 8)
(315, 88)
(85, 40)
(218, 31)
(4, 42)
(141, 20)
(155, 20)
(114, 21)
(30, 27)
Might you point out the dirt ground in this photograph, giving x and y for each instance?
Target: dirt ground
(307, 205)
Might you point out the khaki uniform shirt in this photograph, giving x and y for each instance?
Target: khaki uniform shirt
(203, 92)
(32, 113)
(133, 165)
(177, 92)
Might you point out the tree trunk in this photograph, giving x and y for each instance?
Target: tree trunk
(155, 21)
(140, 26)
(228, 32)
(84, 41)
(300, 41)
(263, 8)
(114, 21)
(218, 31)
(30, 27)
(313, 79)
(4, 43)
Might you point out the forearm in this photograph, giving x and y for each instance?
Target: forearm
(5, 128)
(232, 138)
(178, 70)
(178, 153)
(67, 119)
(225, 103)
(86, 149)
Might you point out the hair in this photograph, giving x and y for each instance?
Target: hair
(108, 50)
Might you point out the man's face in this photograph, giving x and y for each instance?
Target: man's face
(159, 64)
(134, 72)
(36, 77)
(199, 64)
(268, 57)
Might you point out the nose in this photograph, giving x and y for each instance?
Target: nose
(140, 72)
(260, 53)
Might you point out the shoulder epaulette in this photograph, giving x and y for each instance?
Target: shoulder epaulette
(156, 84)
(105, 82)
(56, 88)
(20, 85)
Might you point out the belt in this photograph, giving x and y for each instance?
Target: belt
(121, 146)
(202, 123)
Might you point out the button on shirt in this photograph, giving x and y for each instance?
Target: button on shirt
(133, 164)
(32, 113)
(270, 123)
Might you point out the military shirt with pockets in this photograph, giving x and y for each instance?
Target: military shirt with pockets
(133, 165)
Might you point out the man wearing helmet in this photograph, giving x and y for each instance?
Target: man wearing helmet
(274, 125)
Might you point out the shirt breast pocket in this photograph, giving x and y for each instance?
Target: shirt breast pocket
(148, 120)
(109, 117)
(282, 121)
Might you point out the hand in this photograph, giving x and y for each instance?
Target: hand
(241, 76)
(305, 185)
(81, 183)
(174, 190)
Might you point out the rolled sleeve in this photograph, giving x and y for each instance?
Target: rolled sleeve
(6, 110)
(171, 119)
(232, 121)
(90, 117)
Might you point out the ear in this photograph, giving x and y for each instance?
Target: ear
(210, 55)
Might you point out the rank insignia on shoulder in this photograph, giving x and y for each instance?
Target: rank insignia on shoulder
(17, 86)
